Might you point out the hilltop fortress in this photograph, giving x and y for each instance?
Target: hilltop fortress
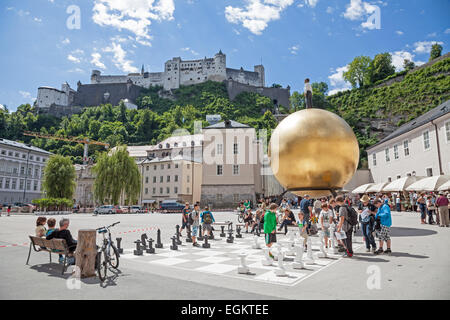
(114, 88)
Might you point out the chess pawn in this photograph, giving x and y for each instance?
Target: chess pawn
(267, 261)
(206, 244)
(119, 249)
(309, 253)
(174, 244)
(298, 260)
(281, 270)
(291, 248)
(138, 251)
(243, 268)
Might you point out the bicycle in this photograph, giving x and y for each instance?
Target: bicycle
(104, 256)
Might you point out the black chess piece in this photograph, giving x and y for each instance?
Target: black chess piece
(150, 246)
(119, 240)
(158, 244)
(206, 244)
(177, 234)
(144, 243)
(230, 238)
(200, 235)
(222, 234)
(174, 244)
(238, 232)
(211, 235)
(138, 251)
(189, 234)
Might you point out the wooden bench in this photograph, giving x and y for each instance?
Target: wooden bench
(58, 246)
(224, 223)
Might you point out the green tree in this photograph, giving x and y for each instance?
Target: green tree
(381, 67)
(296, 100)
(436, 51)
(358, 73)
(117, 175)
(408, 64)
(59, 177)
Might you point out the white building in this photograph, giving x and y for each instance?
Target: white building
(420, 147)
(21, 171)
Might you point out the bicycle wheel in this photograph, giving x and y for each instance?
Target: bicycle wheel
(114, 257)
(241, 218)
(102, 265)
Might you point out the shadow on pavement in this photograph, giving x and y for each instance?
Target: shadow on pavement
(410, 232)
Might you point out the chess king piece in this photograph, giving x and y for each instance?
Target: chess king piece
(309, 253)
(243, 268)
(158, 244)
(267, 261)
(230, 236)
(177, 234)
(200, 234)
(174, 244)
(298, 260)
(150, 246)
(119, 249)
(189, 234)
(281, 270)
(138, 251)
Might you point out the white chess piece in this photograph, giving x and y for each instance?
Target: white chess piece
(280, 271)
(322, 253)
(309, 253)
(267, 261)
(332, 249)
(256, 245)
(291, 248)
(291, 236)
(298, 261)
(243, 268)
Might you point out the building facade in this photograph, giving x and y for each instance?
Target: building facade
(420, 147)
(231, 165)
(21, 172)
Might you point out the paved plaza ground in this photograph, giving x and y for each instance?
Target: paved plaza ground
(417, 269)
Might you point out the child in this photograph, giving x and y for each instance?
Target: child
(325, 218)
(207, 221)
(270, 227)
(40, 229)
(248, 219)
(302, 224)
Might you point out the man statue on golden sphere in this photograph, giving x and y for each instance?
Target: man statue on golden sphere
(313, 151)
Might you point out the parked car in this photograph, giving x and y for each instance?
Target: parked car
(136, 209)
(171, 206)
(123, 209)
(106, 209)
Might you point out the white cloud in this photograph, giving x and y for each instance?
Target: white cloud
(447, 31)
(294, 49)
(187, 49)
(73, 59)
(66, 41)
(120, 60)
(75, 56)
(400, 33)
(330, 10)
(432, 35)
(38, 20)
(134, 15)
(309, 3)
(337, 81)
(25, 94)
(76, 70)
(96, 60)
(257, 13)
(358, 10)
(398, 58)
(425, 46)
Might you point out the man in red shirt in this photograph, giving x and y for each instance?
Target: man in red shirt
(442, 204)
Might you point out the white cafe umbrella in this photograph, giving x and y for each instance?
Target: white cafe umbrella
(401, 184)
(445, 186)
(363, 188)
(377, 187)
(429, 184)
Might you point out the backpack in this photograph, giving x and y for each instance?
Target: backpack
(207, 218)
(190, 218)
(352, 216)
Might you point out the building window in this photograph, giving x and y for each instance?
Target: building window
(235, 197)
(176, 166)
(386, 152)
(187, 190)
(154, 167)
(188, 166)
(161, 179)
(28, 185)
(167, 190)
(447, 131)
(7, 181)
(160, 190)
(219, 197)
(146, 190)
(21, 184)
(162, 167)
(168, 166)
(154, 179)
(146, 179)
(235, 148)
(219, 170)
(396, 152)
(147, 168)
(235, 169)
(154, 190)
(429, 172)
(406, 147)
(426, 140)
(219, 148)
(175, 189)
(176, 178)
(168, 178)
(374, 159)
(14, 184)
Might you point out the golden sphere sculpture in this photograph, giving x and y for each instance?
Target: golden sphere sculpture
(314, 152)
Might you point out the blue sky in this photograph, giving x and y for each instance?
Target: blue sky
(41, 44)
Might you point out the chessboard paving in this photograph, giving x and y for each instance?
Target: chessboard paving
(222, 258)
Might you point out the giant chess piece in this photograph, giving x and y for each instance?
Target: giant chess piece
(322, 253)
(298, 260)
(256, 245)
(174, 244)
(144, 243)
(258, 230)
(211, 234)
(291, 236)
(243, 268)
(267, 261)
(206, 244)
(119, 249)
(158, 244)
(281, 270)
(222, 234)
(291, 248)
(230, 238)
(200, 234)
(189, 234)
(309, 253)
(138, 251)
(150, 246)
(177, 234)
(332, 249)
(238, 232)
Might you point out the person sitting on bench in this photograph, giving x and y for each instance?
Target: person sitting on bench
(288, 219)
(64, 233)
(248, 219)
